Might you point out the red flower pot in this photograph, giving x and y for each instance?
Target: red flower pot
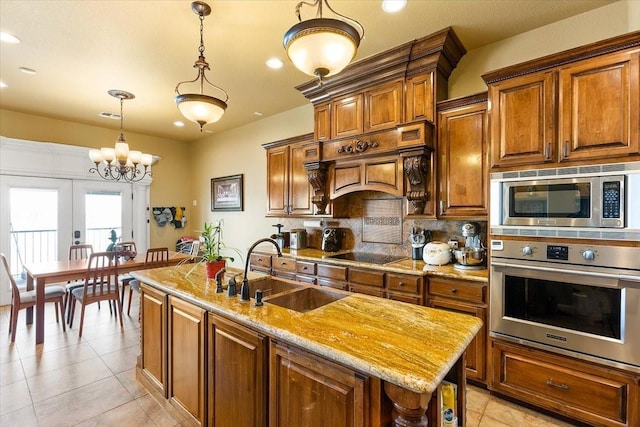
(214, 267)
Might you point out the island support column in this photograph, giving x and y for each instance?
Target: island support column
(409, 408)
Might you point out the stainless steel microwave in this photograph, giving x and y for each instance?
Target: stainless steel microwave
(582, 200)
(571, 202)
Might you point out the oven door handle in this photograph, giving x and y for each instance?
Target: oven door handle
(625, 277)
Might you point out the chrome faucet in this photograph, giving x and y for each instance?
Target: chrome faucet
(244, 290)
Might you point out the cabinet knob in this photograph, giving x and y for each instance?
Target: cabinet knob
(454, 290)
(400, 283)
(304, 268)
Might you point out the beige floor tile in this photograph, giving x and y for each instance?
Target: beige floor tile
(158, 414)
(49, 384)
(24, 417)
(477, 399)
(121, 360)
(82, 403)
(11, 372)
(133, 386)
(108, 343)
(14, 396)
(57, 359)
(128, 415)
(473, 418)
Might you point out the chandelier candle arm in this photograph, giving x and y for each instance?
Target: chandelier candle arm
(198, 107)
(120, 163)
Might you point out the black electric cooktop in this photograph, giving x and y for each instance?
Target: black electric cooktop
(367, 257)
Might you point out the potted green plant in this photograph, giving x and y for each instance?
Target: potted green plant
(212, 248)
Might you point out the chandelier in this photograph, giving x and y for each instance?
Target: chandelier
(119, 163)
(198, 107)
(320, 46)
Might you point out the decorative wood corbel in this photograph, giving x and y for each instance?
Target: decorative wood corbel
(317, 176)
(415, 169)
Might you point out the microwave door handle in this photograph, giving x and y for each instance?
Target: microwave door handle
(581, 273)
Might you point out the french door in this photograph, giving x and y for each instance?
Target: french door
(41, 217)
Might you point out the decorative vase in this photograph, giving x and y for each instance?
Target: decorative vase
(214, 267)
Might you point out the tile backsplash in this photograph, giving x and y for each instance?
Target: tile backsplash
(352, 228)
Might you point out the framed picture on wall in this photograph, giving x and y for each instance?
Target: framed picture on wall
(227, 193)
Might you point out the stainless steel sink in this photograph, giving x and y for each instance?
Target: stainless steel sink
(305, 299)
(271, 286)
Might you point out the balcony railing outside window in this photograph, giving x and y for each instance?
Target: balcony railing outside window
(33, 246)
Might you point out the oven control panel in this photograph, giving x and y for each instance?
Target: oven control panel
(574, 253)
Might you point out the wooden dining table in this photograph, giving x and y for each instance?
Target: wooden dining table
(40, 274)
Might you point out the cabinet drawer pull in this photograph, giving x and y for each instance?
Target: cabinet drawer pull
(547, 151)
(400, 283)
(454, 290)
(304, 268)
(560, 386)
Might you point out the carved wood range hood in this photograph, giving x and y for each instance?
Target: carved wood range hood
(374, 122)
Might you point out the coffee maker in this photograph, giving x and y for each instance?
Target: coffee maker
(331, 239)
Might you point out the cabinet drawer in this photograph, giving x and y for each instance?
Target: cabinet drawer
(404, 283)
(332, 271)
(408, 298)
(458, 289)
(367, 290)
(337, 284)
(588, 392)
(260, 260)
(366, 277)
(283, 264)
(306, 279)
(308, 268)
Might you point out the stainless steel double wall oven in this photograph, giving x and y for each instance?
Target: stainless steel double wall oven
(551, 290)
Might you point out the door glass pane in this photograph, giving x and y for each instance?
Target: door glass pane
(103, 213)
(33, 227)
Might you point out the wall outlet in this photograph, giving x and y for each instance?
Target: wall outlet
(453, 244)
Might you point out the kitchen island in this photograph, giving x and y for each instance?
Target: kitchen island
(357, 360)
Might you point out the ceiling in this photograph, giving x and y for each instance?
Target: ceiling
(81, 49)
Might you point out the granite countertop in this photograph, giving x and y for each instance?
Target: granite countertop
(406, 266)
(405, 344)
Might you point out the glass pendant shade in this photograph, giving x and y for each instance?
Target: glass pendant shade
(321, 47)
(201, 109)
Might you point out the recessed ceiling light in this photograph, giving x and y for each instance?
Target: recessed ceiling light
(257, 113)
(393, 6)
(2, 84)
(26, 70)
(274, 63)
(178, 124)
(8, 38)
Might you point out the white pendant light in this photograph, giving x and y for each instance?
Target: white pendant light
(198, 107)
(320, 46)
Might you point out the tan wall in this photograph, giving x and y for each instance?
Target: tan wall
(589, 27)
(171, 178)
(239, 151)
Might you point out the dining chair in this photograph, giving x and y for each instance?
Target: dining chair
(126, 278)
(24, 299)
(100, 284)
(80, 251)
(156, 257)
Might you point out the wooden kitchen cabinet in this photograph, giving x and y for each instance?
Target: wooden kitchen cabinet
(153, 333)
(260, 262)
(334, 276)
(322, 122)
(366, 281)
(288, 188)
(405, 287)
(421, 104)
(463, 158)
(306, 390)
(467, 297)
(591, 393)
(238, 372)
(582, 105)
(599, 115)
(186, 365)
(306, 272)
(383, 106)
(283, 267)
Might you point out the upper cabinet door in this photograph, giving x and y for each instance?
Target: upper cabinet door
(383, 106)
(522, 120)
(599, 112)
(420, 97)
(347, 116)
(322, 122)
(278, 181)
